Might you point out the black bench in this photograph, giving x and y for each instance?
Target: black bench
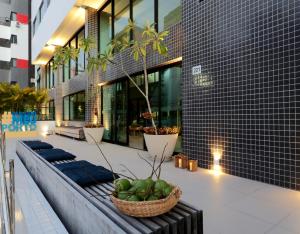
(183, 218)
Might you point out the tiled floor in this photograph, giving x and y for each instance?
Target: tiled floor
(231, 205)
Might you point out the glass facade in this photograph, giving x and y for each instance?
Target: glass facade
(74, 107)
(73, 66)
(47, 112)
(143, 11)
(70, 68)
(114, 112)
(105, 27)
(81, 57)
(169, 13)
(121, 16)
(113, 17)
(123, 105)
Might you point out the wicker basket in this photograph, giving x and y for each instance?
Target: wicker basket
(148, 208)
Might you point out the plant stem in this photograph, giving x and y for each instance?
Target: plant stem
(147, 92)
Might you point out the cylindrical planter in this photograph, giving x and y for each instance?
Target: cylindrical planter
(96, 133)
(156, 144)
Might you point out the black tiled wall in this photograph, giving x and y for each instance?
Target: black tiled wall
(247, 98)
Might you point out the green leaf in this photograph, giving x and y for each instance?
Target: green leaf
(136, 55)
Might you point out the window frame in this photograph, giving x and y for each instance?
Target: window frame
(69, 109)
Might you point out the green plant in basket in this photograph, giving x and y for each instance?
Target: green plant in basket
(143, 189)
(137, 189)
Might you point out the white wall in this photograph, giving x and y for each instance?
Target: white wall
(4, 32)
(54, 16)
(35, 4)
(5, 54)
(20, 50)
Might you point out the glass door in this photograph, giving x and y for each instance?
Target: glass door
(121, 112)
(108, 111)
(114, 112)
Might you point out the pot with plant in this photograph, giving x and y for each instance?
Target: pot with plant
(93, 133)
(148, 197)
(136, 44)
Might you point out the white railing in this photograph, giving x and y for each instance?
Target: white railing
(7, 193)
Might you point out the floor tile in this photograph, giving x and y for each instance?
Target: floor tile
(292, 222)
(265, 210)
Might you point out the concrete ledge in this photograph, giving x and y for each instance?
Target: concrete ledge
(76, 211)
(33, 212)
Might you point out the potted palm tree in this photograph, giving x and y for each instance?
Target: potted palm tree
(143, 43)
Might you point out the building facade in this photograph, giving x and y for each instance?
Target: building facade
(15, 43)
(229, 81)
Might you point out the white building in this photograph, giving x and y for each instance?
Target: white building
(15, 42)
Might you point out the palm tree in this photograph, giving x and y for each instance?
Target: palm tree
(14, 98)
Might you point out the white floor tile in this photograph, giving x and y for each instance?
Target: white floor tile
(292, 222)
(262, 209)
(231, 205)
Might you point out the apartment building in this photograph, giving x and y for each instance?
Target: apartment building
(15, 42)
(229, 82)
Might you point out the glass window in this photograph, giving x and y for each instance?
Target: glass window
(105, 20)
(108, 111)
(52, 76)
(66, 104)
(171, 105)
(81, 57)
(122, 14)
(169, 13)
(66, 71)
(73, 62)
(74, 107)
(143, 11)
(47, 111)
(14, 39)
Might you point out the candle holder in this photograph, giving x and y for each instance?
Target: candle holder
(181, 161)
(192, 165)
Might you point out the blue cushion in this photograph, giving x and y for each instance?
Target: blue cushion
(73, 165)
(37, 145)
(85, 173)
(52, 155)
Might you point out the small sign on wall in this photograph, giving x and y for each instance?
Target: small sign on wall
(201, 79)
(196, 70)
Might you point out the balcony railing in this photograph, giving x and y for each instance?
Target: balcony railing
(7, 192)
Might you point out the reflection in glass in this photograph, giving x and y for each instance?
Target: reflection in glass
(74, 107)
(143, 11)
(66, 104)
(171, 104)
(81, 57)
(169, 13)
(122, 14)
(72, 62)
(52, 76)
(108, 111)
(105, 19)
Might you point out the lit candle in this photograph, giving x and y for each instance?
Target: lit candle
(180, 162)
(193, 165)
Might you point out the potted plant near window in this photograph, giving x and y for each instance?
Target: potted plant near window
(160, 142)
(145, 41)
(93, 133)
